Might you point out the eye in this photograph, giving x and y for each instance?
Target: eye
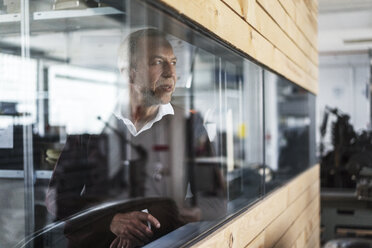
(174, 62)
(158, 62)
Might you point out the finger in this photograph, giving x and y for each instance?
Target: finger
(140, 221)
(139, 234)
(122, 243)
(115, 243)
(154, 222)
(141, 215)
(133, 226)
(148, 217)
(143, 227)
(129, 244)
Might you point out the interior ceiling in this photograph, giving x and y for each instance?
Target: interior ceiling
(345, 26)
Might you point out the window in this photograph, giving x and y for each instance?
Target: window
(98, 128)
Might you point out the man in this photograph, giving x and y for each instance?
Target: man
(152, 80)
(147, 60)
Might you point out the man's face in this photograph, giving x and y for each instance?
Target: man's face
(154, 75)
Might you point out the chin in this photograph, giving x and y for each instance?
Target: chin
(165, 99)
(158, 101)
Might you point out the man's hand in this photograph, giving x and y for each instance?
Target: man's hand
(132, 228)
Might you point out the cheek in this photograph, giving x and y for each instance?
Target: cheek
(144, 79)
(154, 76)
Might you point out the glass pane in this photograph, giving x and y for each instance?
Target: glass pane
(289, 130)
(116, 117)
(251, 134)
(242, 111)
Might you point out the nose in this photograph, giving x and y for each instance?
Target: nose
(169, 70)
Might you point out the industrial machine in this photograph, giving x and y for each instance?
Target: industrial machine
(346, 181)
(349, 164)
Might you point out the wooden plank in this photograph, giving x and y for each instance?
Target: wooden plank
(258, 242)
(285, 22)
(306, 6)
(272, 32)
(290, 237)
(312, 6)
(283, 223)
(314, 240)
(301, 241)
(247, 227)
(292, 233)
(250, 9)
(310, 228)
(289, 7)
(279, 226)
(235, 5)
(305, 236)
(213, 14)
(239, 6)
(296, 187)
(244, 6)
(261, 21)
(293, 72)
(303, 9)
(305, 22)
(293, 9)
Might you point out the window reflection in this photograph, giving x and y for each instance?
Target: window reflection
(148, 148)
(288, 130)
(105, 134)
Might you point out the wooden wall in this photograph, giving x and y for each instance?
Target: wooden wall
(288, 217)
(281, 34)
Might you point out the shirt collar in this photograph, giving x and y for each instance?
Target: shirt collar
(164, 109)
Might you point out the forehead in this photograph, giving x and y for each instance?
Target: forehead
(150, 46)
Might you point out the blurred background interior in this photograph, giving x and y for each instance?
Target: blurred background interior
(344, 118)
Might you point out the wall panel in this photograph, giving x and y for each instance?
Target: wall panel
(287, 24)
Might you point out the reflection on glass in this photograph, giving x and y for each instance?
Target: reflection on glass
(123, 118)
(288, 129)
(17, 91)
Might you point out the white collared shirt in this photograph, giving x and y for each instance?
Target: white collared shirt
(164, 109)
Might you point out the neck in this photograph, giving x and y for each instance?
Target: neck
(141, 112)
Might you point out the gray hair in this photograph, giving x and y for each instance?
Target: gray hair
(128, 47)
